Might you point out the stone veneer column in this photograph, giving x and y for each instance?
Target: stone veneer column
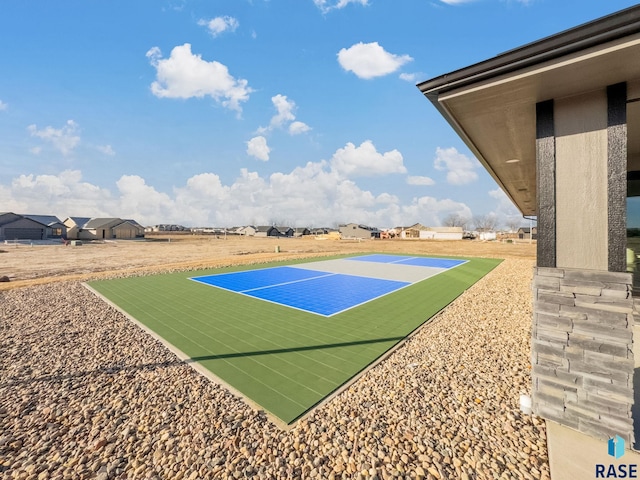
(582, 357)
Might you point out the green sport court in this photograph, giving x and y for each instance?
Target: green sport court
(287, 335)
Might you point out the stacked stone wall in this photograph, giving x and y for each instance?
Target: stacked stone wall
(582, 355)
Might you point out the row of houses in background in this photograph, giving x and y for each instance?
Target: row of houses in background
(261, 231)
(417, 230)
(40, 227)
(15, 226)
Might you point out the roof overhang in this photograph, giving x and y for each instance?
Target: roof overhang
(492, 104)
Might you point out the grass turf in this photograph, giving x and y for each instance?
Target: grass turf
(284, 359)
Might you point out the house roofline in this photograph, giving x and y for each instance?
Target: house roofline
(597, 32)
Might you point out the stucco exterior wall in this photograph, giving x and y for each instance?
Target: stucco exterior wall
(581, 179)
(633, 89)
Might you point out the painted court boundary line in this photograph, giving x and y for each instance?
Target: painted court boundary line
(209, 375)
(244, 292)
(194, 363)
(402, 259)
(197, 366)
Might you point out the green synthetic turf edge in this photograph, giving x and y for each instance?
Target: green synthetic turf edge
(285, 360)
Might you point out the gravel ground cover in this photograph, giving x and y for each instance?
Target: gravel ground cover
(26, 265)
(84, 393)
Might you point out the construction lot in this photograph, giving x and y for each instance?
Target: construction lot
(27, 264)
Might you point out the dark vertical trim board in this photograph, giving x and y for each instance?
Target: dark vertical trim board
(546, 183)
(617, 174)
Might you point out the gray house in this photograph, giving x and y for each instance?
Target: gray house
(281, 231)
(55, 228)
(273, 231)
(301, 231)
(19, 227)
(354, 230)
(262, 230)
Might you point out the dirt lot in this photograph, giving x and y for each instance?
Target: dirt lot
(29, 265)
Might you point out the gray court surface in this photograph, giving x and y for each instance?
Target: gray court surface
(385, 271)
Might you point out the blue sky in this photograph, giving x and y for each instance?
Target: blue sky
(233, 112)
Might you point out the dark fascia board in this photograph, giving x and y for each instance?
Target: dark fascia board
(612, 27)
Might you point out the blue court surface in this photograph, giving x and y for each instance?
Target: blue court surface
(416, 261)
(329, 290)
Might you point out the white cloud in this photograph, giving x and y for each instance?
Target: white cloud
(311, 195)
(505, 211)
(285, 115)
(326, 6)
(419, 180)
(3, 106)
(460, 168)
(218, 25)
(430, 211)
(257, 147)
(139, 200)
(187, 75)
(387, 198)
(63, 139)
(456, 2)
(410, 77)
(296, 128)
(369, 60)
(285, 109)
(106, 149)
(64, 194)
(365, 160)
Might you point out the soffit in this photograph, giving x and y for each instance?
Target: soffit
(496, 117)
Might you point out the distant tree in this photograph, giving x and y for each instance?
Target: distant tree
(485, 223)
(279, 222)
(455, 220)
(513, 224)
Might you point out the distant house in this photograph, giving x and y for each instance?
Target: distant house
(281, 232)
(82, 228)
(55, 228)
(263, 230)
(526, 233)
(429, 233)
(442, 233)
(74, 226)
(19, 227)
(99, 228)
(300, 231)
(354, 230)
(412, 231)
(247, 231)
(488, 235)
(273, 231)
(128, 229)
(165, 228)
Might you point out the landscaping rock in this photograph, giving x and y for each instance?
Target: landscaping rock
(87, 394)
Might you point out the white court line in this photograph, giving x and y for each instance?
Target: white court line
(400, 262)
(285, 283)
